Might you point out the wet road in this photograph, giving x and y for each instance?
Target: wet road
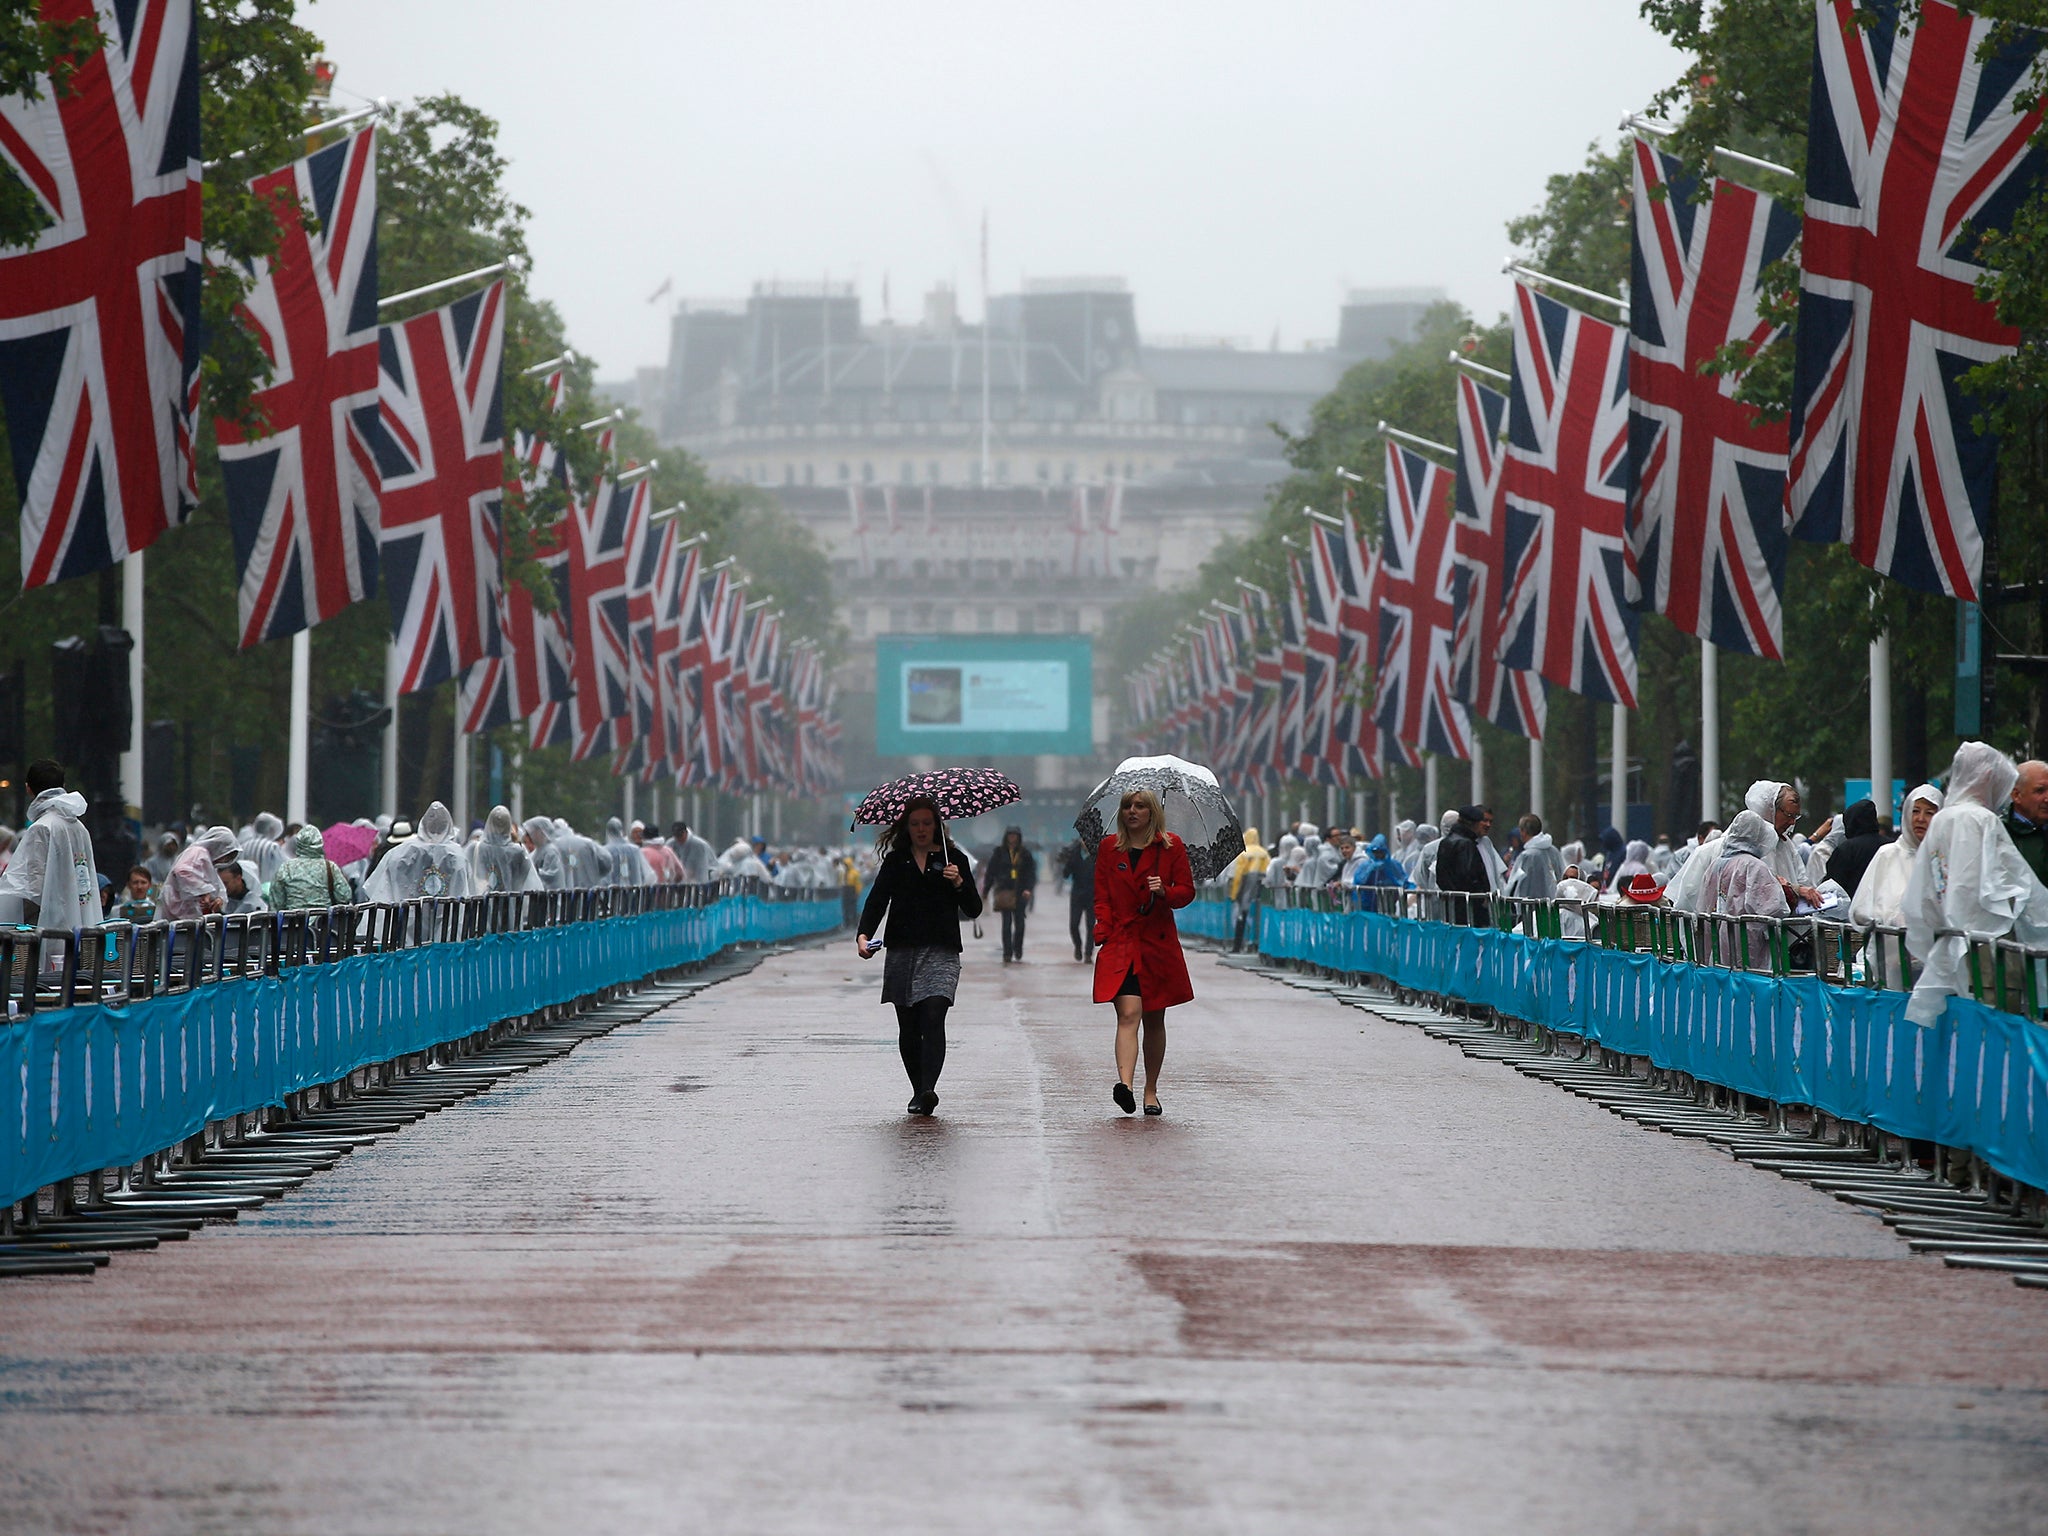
(703, 1275)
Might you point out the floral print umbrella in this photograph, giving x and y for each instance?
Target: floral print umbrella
(957, 792)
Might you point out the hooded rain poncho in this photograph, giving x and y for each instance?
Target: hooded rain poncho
(431, 864)
(196, 873)
(548, 868)
(309, 880)
(1742, 884)
(52, 867)
(1538, 869)
(1969, 879)
(1881, 889)
(628, 867)
(497, 862)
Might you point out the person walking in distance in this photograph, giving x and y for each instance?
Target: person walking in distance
(1077, 863)
(1008, 880)
(1141, 875)
(924, 886)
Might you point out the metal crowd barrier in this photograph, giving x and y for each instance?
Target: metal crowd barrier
(123, 962)
(2010, 977)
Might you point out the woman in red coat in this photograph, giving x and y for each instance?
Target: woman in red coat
(1141, 875)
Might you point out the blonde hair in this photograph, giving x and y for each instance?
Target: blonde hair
(1157, 827)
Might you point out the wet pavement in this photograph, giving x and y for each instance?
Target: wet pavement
(703, 1275)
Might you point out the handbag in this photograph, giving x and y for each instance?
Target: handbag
(1006, 901)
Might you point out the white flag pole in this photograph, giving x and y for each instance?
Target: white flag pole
(1710, 732)
(1536, 778)
(462, 775)
(1617, 792)
(1881, 726)
(298, 726)
(1478, 769)
(1432, 808)
(131, 620)
(387, 797)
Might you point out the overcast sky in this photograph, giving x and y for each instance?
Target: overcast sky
(1240, 165)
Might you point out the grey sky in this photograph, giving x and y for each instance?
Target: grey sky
(1241, 165)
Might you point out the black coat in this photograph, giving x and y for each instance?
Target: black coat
(923, 909)
(1459, 864)
(1848, 862)
(999, 872)
(1077, 862)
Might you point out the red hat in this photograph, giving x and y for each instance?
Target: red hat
(1644, 888)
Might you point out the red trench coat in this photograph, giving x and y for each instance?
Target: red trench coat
(1150, 944)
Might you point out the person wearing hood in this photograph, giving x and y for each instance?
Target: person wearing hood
(740, 862)
(1861, 839)
(159, 863)
(1432, 839)
(586, 865)
(497, 861)
(1326, 865)
(244, 889)
(1381, 868)
(1880, 890)
(539, 834)
(1247, 879)
(1288, 858)
(1461, 867)
(309, 879)
(431, 864)
(51, 880)
(1008, 880)
(1403, 844)
(194, 887)
(1778, 804)
(692, 852)
(662, 862)
(1742, 883)
(263, 846)
(1301, 869)
(629, 867)
(1635, 860)
(1969, 882)
(1539, 866)
(1613, 854)
(1662, 860)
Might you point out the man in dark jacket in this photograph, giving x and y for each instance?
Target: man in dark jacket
(1861, 840)
(1009, 877)
(2027, 820)
(1461, 867)
(1077, 863)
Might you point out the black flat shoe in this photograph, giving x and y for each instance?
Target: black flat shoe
(1125, 1099)
(929, 1099)
(917, 1106)
(1154, 1109)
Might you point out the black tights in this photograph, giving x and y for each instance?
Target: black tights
(921, 1037)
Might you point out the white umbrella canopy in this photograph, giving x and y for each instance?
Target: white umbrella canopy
(1197, 810)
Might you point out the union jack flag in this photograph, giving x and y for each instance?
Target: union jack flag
(601, 532)
(1321, 756)
(1345, 579)
(441, 457)
(729, 686)
(1916, 150)
(1565, 492)
(302, 490)
(675, 587)
(99, 316)
(1511, 699)
(1417, 618)
(537, 665)
(1287, 725)
(703, 666)
(1706, 507)
(644, 564)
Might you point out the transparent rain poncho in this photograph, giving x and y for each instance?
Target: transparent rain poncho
(497, 861)
(430, 863)
(1881, 895)
(1968, 882)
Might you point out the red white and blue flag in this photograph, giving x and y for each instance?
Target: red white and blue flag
(99, 315)
(1565, 487)
(602, 532)
(675, 588)
(301, 487)
(1511, 699)
(1706, 509)
(1917, 148)
(441, 458)
(536, 664)
(702, 668)
(1418, 619)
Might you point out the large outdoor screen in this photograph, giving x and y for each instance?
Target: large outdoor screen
(1007, 695)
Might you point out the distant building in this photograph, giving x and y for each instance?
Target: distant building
(1114, 464)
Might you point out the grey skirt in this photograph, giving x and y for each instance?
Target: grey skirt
(909, 976)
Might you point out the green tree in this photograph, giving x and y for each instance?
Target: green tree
(36, 53)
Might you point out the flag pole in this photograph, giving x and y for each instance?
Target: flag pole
(1415, 442)
(387, 796)
(1481, 369)
(1478, 767)
(1635, 122)
(297, 751)
(1536, 778)
(462, 774)
(1881, 726)
(1710, 731)
(1514, 268)
(1432, 812)
(131, 620)
(509, 264)
(1617, 789)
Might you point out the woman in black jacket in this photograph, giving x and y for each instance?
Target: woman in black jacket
(925, 887)
(1010, 876)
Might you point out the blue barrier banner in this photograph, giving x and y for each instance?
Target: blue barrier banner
(97, 1087)
(1978, 1080)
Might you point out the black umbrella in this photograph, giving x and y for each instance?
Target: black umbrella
(957, 792)
(1196, 810)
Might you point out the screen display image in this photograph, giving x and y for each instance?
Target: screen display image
(993, 695)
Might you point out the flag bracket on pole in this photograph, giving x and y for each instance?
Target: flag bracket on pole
(568, 356)
(509, 264)
(1479, 368)
(377, 108)
(1635, 122)
(1514, 268)
(1416, 442)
